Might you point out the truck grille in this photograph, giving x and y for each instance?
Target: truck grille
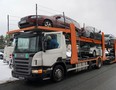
(22, 67)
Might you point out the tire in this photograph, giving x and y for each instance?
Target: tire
(58, 73)
(47, 23)
(98, 66)
(94, 53)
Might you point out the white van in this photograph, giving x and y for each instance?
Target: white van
(7, 56)
(8, 53)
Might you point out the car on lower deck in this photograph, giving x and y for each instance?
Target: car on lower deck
(90, 50)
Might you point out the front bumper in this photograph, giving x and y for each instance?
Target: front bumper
(46, 73)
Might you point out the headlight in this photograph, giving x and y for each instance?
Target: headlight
(40, 71)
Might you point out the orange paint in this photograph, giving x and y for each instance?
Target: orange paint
(103, 48)
(74, 57)
(41, 28)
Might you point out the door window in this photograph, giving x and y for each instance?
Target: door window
(53, 41)
(61, 19)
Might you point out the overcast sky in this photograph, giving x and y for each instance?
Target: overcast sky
(97, 13)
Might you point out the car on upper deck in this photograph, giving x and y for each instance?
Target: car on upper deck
(49, 21)
(91, 32)
(109, 40)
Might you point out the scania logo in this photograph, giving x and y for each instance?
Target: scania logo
(21, 55)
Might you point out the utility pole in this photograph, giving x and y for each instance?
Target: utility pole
(36, 16)
(7, 23)
(64, 20)
(8, 39)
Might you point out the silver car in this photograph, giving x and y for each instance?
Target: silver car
(91, 32)
(109, 40)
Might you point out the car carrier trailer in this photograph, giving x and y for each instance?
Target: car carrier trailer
(32, 59)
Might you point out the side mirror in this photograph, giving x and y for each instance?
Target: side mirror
(44, 44)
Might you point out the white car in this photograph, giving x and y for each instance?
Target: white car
(90, 50)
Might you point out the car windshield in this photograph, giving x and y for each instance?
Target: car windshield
(26, 45)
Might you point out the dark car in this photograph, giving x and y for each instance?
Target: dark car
(109, 40)
(49, 21)
(1, 55)
(91, 32)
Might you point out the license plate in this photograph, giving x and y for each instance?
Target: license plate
(21, 78)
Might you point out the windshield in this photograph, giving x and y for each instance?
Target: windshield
(26, 44)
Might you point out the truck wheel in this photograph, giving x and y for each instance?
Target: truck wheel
(98, 66)
(58, 73)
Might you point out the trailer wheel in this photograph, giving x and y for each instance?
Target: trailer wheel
(58, 73)
(98, 66)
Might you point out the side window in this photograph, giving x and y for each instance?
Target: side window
(68, 20)
(61, 19)
(53, 41)
(76, 24)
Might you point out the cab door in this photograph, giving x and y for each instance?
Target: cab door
(51, 55)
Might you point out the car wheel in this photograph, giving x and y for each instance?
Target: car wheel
(47, 23)
(94, 53)
(58, 73)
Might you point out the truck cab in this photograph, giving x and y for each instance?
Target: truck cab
(33, 58)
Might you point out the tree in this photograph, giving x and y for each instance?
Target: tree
(2, 42)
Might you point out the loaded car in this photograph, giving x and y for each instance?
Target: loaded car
(91, 32)
(90, 50)
(109, 40)
(49, 21)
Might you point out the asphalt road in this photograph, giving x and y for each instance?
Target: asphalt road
(98, 79)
